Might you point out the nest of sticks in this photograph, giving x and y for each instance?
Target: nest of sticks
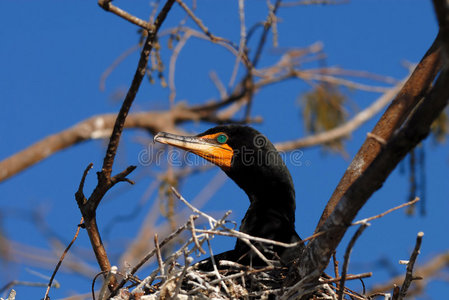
(177, 278)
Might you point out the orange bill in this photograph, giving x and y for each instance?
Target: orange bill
(205, 146)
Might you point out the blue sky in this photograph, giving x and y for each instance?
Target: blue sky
(53, 54)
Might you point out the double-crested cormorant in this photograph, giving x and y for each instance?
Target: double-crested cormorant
(252, 161)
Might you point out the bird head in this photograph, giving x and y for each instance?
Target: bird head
(212, 145)
(227, 146)
(242, 152)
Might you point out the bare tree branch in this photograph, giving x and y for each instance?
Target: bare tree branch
(386, 212)
(318, 252)
(100, 127)
(108, 6)
(50, 283)
(442, 11)
(312, 2)
(428, 270)
(200, 23)
(398, 111)
(410, 265)
(343, 130)
(114, 64)
(132, 91)
(351, 244)
(105, 181)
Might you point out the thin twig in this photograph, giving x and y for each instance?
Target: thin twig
(225, 288)
(218, 84)
(114, 65)
(158, 255)
(344, 129)
(132, 92)
(257, 251)
(346, 258)
(79, 195)
(350, 293)
(268, 23)
(386, 212)
(242, 235)
(193, 208)
(340, 81)
(336, 272)
(104, 288)
(187, 261)
(62, 258)
(107, 6)
(92, 288)
(409, 274)
(243, 273)
(311, 2)
(162, 244)
(200, 23)
(172, 65)
(348, 277)
(248, 82)
(13, 283)
(242, 43)
(12, 295)
(195, 238)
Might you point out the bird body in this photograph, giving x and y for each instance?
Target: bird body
(255, 165)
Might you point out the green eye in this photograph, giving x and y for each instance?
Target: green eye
(222, 138)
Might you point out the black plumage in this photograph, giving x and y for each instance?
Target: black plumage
(257, 168)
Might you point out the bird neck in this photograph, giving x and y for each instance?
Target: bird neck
(272, 189)
(274, 195)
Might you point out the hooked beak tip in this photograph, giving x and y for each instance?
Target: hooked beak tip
(158, 137)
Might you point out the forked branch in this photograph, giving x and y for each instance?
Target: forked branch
(89, 206)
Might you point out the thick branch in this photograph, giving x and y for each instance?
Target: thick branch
(398, 111)
(442, 12)
(99, 127)
(318, 252)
